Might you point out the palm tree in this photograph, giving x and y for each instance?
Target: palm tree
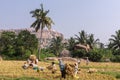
(86, 41)
(115, 41)
(91, 41)
(82, 37)
(71, 44)
(42, 21)
(56, 45)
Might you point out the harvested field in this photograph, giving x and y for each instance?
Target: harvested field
(13, 69)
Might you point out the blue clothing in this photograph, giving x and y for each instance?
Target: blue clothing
(62, 69)
(61, 65)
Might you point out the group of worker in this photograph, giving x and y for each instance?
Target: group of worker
(65, 68)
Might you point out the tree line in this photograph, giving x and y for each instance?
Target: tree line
(97, 50)
(23, 44)
(19, 45)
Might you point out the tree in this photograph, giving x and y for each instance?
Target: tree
(82, 37)
(56, 45)
(85, 40)
(42, 21)
(115, 42)
(82, 41)
(8, 42)
(17, 46)
(71, 44)
(26, 41)
(91, 41)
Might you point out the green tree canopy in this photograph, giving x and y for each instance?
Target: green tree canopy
(71, 44)
(26, 41)
(114, 43)
(8, 42)
(86, 39)
(12, 45)
(56, 45)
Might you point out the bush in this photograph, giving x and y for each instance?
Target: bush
(46, 53)
(95, 56)
(116, 52)
(116, 58)
(78, 53)
(107, 55)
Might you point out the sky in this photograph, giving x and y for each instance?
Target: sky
(98, 17)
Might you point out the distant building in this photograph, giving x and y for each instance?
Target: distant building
(47, 35)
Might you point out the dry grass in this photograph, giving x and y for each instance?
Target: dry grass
(13, 69)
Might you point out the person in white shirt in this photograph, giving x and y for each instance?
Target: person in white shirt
(76, 70)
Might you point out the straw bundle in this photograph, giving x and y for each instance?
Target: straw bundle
(69, 69)
(32, 57)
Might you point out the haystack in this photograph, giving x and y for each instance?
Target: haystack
(69, 59)
(49, 67)
(69, 68)
(32, 57)
(51, 59)
(92, 70)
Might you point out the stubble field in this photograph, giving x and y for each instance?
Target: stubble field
(12, 70)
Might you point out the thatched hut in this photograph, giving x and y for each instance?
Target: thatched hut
(81, 46)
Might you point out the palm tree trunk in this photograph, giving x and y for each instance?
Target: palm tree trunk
(40, 44)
